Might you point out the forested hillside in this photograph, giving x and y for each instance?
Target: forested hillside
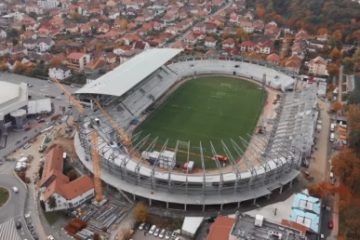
(312, 15)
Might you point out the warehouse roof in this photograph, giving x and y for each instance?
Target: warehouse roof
(129, 74)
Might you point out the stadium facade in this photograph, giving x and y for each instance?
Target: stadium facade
(272, 160)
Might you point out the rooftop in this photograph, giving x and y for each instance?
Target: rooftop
(129, 74)
(56, 182)
(221, 227)
(245, 228)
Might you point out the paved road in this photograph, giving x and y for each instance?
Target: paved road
(14, 208)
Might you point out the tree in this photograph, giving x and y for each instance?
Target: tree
(337, 106)
(52, 202)
(19, 68)
(240, 33)
(335, 53)
(354, 117)
(260, 11)
(320, 190)
(337, 35)
(354, 126)
(140, 212)
(322, 31)
(72, 174)
(55, 62)
(346, 165)
(333, 69)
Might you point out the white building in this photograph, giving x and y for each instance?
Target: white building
(57, 191)
(318, 66)
(13, 97)
(48, 4)
(59, 73)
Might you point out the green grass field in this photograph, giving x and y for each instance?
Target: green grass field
(205, 109)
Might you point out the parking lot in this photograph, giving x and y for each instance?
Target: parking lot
(152, 232)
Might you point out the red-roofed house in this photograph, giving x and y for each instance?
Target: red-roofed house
(210, 42)
(265, 47)
(77, 61)
(247, 46)
(293, 63)
(273, 58)
(56, 187)
(228, 43)
(220, 229)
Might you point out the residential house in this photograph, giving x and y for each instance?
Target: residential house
(129, 38)
(293, 63)
(77, 61)
(228, 43)
(318, 66)
(273, 59)
(3, 34)
(72, 28)
(247, 46)
(221, 228)
(210, 42)
(141, 45)
(258, 25)
(59, 73)
(272, 30)
(30, 43)
(265, 47)
(234, 18)
(246, 25)
(48, 4)
(103, 28)
(301, 35)
(190, 39)
(210, 27)
(57, 192)
(4, 50)
(45, 43)
(95, 66)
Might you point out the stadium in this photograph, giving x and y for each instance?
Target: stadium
(206, 134)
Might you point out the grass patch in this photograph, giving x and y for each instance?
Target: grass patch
(207, 109)
(53, 217)
(4, 196)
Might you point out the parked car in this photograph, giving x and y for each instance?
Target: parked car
(15, 189)
(330, 224)
(152, 229)
(162, 233)
(141, 226)
(157, 231)
(50, 237)
(167, 235)
(18, 224)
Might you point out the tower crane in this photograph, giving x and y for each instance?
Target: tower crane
(99, 196)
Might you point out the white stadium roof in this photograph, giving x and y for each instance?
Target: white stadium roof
(129, 74)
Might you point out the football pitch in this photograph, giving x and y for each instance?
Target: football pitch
(207, 110)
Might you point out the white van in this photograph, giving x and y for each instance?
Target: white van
(332, 137)
(332, 127)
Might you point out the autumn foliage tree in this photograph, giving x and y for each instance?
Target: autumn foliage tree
(140, 212)
(335, 53)
(260, 11)
(354, 126)
(346, 165)
(336, 106)
(333, 69)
